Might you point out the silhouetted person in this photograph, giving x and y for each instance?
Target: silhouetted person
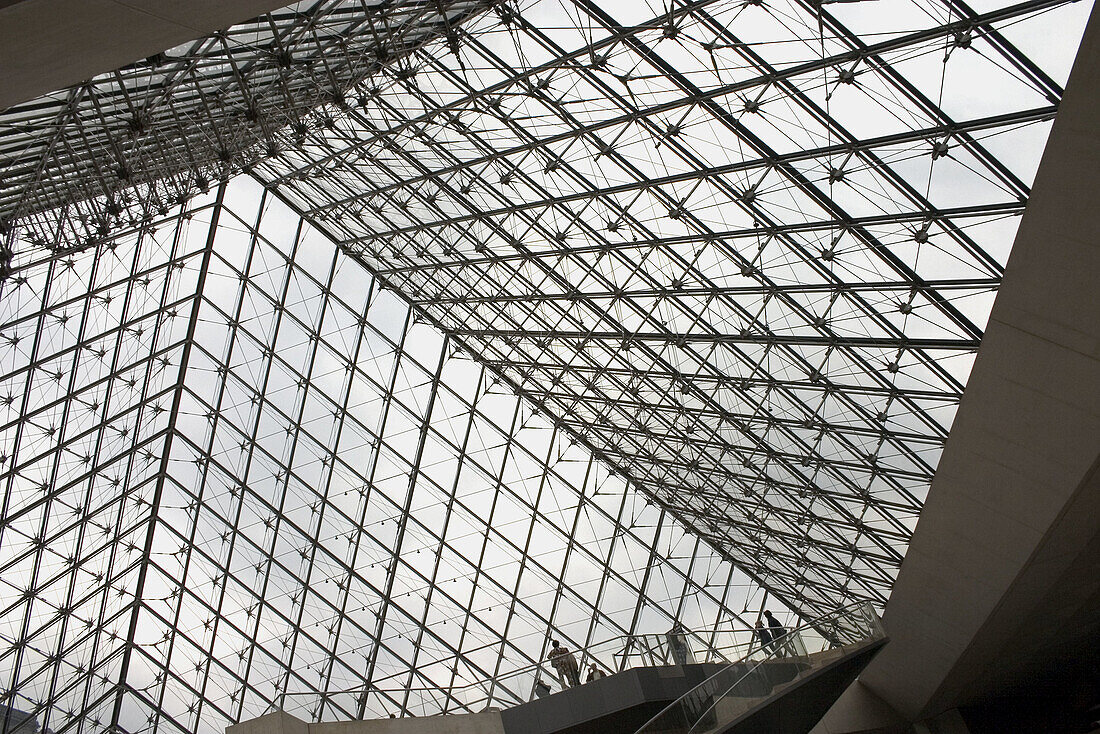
(677, 642)
(573, 668)
(778, 632)
(541, 689)
(565, 663)
(556, 659)
(594, 673)
(765, 636)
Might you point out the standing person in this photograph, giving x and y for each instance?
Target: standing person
(565, 663)
(594, 673)
(765, 636)
(677, 642)
(558, 661)
(778, 632)
(572, 668)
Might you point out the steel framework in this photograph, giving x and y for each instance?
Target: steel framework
(129, 145)
(363, 345)
(742, 250)
(240, 471)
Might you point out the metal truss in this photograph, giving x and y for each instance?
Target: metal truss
(527, 318)
(129, 145)
(742, 251)
(240, 475)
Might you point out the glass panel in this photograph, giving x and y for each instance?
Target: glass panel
(527, 320)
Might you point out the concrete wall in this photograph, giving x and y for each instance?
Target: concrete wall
(487, 723)
(46, 45)
(859, 711)
(273, 723)
(283, 723)
(1004, 554)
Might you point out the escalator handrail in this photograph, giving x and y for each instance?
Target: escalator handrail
(875, 632)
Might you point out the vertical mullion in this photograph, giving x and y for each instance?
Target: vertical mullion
(154, 509)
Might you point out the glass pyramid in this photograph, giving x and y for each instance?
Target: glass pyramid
(350, 354)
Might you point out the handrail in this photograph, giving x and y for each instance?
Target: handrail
(672, 715)
(649, 648)
(714, 699)
(527, 669)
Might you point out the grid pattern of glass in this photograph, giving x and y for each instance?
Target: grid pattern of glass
(239, 475)
(91, 354)
(528, 318)
(744, 251)
(132, 143)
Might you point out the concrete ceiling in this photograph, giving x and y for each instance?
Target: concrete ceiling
(47, 45)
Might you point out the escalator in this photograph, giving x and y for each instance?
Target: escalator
(783, 689)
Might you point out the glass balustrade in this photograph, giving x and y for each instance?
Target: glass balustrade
(753, 670)
(745, 683)
(524, 683)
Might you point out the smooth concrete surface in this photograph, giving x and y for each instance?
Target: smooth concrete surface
(949, 722)
(1010, 525)
(277, 722)
(486, 723)
(46, 45)
(283, 723)
(795, 707)
(859, 711)
(627, 698)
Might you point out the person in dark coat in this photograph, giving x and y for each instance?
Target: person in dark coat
(778, 632)
(677, 642)
(765, 636)
(594, 673)
(573, 668)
